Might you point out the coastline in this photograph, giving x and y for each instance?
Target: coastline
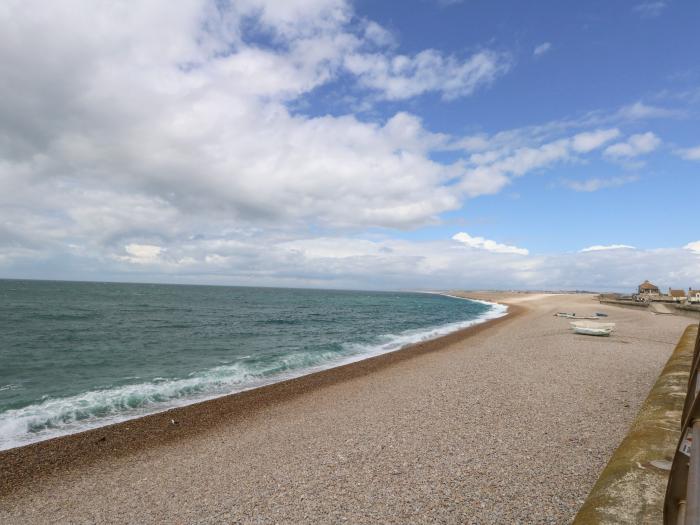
(512, 423)
(115, 397)
(31, 462)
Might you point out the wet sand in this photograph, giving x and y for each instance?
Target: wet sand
(510, 421)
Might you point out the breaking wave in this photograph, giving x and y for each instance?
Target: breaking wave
(59, 416)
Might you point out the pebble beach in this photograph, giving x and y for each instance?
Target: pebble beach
(506, 422)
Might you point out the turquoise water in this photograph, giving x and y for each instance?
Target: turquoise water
(79, 355)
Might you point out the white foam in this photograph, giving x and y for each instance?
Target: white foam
(61, 416)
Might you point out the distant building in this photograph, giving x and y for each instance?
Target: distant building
(693, 296)
(646, 288)
(677, 296)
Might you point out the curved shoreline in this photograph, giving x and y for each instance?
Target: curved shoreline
(112, 396)
(31, 462)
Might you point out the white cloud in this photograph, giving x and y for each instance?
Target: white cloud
(600, 247)
(693, 247)
(400, 77)
(690, 153)
(333, 248)
(379, 35)
(595, 184)
(268, 258)
(639, 110)
(635, 146)
(155, 107)
(650, 8)
(490, 171)
(541, 49)
(148, 117)
(487, 244)
(141, 253)
(157, 142)
(588, 141)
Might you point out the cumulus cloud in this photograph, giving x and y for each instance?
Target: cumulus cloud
(600, 247)
(379, 35)
(163, 142)
(693, 247)
(634, 146)
(154, 107)
(133, 133)
(487, 244)
(541, 49)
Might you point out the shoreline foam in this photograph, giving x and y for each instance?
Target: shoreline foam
(27, 463)
(203, 386)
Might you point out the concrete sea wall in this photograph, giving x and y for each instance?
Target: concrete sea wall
(632, 487)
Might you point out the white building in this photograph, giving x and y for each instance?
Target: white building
(693, 296)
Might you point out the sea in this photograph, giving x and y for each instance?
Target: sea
(79, 355)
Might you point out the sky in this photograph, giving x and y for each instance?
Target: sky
(368, 144)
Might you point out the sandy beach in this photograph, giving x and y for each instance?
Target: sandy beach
(507, 422)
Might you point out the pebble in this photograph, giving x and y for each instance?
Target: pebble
(510, 425)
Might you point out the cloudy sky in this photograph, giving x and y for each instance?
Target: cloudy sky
(367, 144)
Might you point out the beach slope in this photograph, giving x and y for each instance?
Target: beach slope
(511, 422)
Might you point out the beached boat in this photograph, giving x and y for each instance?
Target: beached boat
(591, 328)
(574, 316)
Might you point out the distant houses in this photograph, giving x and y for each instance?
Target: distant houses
(647, 292)
(686, 303)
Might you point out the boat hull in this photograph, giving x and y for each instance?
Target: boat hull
(592, 328)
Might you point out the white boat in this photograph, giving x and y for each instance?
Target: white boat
(592, 328)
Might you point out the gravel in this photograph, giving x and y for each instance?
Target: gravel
(510, 425)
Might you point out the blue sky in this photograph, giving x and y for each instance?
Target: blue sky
(365, 144)
(600, 56)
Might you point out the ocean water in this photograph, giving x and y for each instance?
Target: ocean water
(75, 356)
